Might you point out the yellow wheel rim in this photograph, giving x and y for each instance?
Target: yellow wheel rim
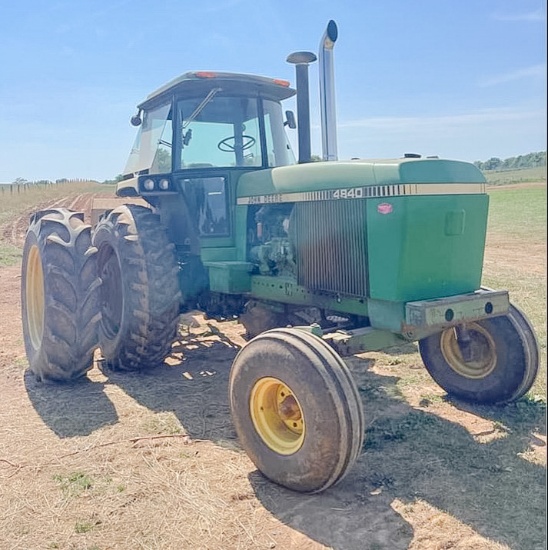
(34, 290)
(277, 416)
(483, 350)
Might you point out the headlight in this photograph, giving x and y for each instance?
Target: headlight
(148, 185)
(164, 184)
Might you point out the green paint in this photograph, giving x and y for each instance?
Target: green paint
(240, 222)
(287, 291)
(218, 254)
(318, 176)
(229, 277)
(426, 247)
(361, 340)
(386, 315)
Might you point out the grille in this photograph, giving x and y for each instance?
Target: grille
(330, 245)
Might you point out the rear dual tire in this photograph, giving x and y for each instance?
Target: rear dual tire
(120, 291)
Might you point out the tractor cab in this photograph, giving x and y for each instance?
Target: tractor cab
(197, 136)
(207, 120)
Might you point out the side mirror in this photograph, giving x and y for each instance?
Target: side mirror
(290, 120)
(136, 120)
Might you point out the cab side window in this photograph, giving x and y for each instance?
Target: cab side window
(208, 203)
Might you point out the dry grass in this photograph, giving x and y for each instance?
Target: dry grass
(90, 467)
(16, 207)
(13, 203)
(151, 462)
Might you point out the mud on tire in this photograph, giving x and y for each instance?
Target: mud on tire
(59, 295)
(139, 292)
(504, 365)
(296, 409)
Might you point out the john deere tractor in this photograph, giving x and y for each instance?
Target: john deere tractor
(317, 260)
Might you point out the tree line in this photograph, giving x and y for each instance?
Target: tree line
(531, 160)
(23, 181)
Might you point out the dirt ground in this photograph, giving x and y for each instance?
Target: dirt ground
(151, 460)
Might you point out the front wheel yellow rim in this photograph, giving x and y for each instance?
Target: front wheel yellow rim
(277, 415)
(483, 349)
(35, 299)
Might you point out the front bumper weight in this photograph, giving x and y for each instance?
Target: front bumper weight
(442, 313)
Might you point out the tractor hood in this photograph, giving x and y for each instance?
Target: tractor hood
(320, 176)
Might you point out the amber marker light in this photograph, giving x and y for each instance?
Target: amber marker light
(280, 82)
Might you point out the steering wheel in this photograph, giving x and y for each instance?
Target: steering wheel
(228, 145)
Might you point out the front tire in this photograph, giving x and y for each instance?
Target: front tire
(59, 295)
(139, 292)
(504, 362)
(296, 409)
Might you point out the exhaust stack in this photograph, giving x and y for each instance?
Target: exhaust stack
(301, 60)
(327, 92)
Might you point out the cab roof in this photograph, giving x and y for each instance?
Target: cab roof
(197, 83)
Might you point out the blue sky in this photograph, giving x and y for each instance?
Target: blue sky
(462, 79)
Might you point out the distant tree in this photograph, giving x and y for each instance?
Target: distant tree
(531, 160)
(163, 160)
(540, 158)
(510, 163)
(118, 178)
(494, 163)
(20, 181)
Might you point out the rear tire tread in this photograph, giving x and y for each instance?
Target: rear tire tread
(151, 293)
(70, 295)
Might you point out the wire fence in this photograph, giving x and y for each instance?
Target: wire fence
(23, 187)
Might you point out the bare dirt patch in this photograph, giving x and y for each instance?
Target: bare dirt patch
(151, 461)
(506, 253)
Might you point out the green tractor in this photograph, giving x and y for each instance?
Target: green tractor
(317, 260)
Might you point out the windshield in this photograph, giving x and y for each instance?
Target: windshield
(226, 131)
(214, 131)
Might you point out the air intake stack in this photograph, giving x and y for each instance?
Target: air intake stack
(327, 92)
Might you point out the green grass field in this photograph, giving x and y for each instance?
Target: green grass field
(519, 213)
(517, 222)
(525, 175)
